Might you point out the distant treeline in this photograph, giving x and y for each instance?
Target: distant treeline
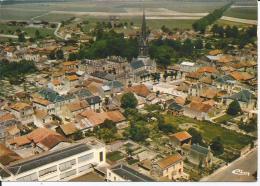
(8, 2)
(209, 19)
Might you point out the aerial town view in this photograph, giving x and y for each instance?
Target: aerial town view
(128, 90)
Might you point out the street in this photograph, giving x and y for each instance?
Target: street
(242, 169)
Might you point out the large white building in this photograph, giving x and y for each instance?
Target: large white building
(59, 165)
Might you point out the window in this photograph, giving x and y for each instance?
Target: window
(85, 167)
(86, 157)
(48, 170)
(67, 165)
(30, 177)
(68, 174)
(101, 156)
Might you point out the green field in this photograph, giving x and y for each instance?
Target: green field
(209, 131)
(115, 156)
(243, 13)
(30, 31)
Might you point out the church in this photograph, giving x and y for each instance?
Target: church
(142, 66)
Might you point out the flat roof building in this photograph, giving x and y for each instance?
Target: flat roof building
(59, 165)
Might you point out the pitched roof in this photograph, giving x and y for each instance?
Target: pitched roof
(52, 140)
(93, 100)
(72, 78)
(135, 64)
(69, 128)
(75, 106)
(115, 116)
(20, 106)
(175, 106)
(41, 101)
(20, 141)
(200, 107)
(241, 76)
(193, 75)
(215, 52)
(207, 69)
(140, 90)
(41, 114)
(7, 117)
(181, 136)
(39, 134)
(169, 161)
(209, 93)
(7, 156)
(243, 96)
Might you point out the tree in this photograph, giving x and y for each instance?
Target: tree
(196, 136)
(72, 57)
(37, 34)
(78, 135)
(52, 55)
(59, 54)
(167, 128)
(21, 37)
(234, 108)
(128, 100)
(198, 44)
(138, 131)
(217, 146)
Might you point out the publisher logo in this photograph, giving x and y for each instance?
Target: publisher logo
(240, 172)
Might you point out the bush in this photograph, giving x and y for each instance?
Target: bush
(234, 108)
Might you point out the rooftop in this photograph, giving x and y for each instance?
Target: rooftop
(130, 174)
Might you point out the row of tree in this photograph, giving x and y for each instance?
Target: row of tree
(209, 19)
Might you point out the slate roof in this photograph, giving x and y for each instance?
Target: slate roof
(93, 100)
(114, 84)
(83, 93)
(199, 149)
(135, 64)
(130, 174)
(53, 96)
(243, 96)
(224, 79)
(103, 75)
(175, 106)
(47, 158)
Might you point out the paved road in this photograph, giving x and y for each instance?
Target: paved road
(247, 163)
(12, 36)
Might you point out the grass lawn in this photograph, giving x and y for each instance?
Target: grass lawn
(209, 131)
(30, 31)
(115, 156)
(231, 23)
(224, 118)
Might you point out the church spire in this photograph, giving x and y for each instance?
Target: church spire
(143, 48)
(144, 25)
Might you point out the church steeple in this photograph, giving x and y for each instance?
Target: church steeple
(143, 48)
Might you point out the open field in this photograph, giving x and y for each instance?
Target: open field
(210, 131)
(242, 12)
(30, 31)
(26, 11)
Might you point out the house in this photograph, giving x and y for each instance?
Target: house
(170, 167)
(180, 138)
(59, 165)
(41, 117)
(7, 120)
(140, 90)
(94, 102)
(39, 140)
(43, 104)
(72, 109)
(187, 66)
(23, 112)
(123, 173)
(175, 109)
(197, 110)
(246, 99)
(72, 81)
(96, 119)
(197, 154)
(7, 156)
(67, 130)
(241, 76)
